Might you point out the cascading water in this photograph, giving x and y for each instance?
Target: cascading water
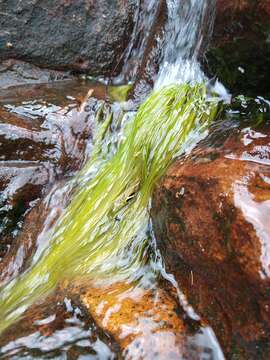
(103, 231)
(144, 20)
(187, 30)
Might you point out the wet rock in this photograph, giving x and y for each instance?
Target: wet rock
(21, 185)
(149, 22)
(113, 321)
(31, 231)
(211, 217)
(56, 328)
(14, 73)
(61, 93)
(145, 323)
(136, 322)
(79, 35)
(42, 139)
(148, 67)
(239, 52)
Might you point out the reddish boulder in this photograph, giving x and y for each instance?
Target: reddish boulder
(42, 140)
(211, 215)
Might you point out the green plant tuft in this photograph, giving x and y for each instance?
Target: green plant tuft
(101, 232)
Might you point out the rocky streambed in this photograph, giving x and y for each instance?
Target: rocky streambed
(210, 212)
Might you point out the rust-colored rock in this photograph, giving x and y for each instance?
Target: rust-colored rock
(144, 323)
(211, 214)
(123, 320)
(42, 140)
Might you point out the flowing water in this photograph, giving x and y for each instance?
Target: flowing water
(104, 233)
(189, 24)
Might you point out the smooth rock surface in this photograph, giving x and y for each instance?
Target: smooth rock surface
(211, 216)
(81, 35)
(45, 136)
(57, 328)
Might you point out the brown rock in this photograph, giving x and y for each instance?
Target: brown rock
(152, 52)
(144, 323)
(124, 320)
(15, 72)
(234, 16)
(56, 328)
(211, 214)
(42, 140)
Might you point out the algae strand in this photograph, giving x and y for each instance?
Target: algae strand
(103, 223)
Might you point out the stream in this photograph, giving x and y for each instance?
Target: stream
(88, 280)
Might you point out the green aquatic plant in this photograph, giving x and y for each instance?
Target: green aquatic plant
(101, 232)
(119, 93)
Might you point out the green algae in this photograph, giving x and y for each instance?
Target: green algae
(101, 232)
(119, 93)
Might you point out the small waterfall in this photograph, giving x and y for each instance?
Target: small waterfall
(188, 28)
(144, 20)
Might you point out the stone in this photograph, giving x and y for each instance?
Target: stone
(85, 35)
(211, 215)
(151, 55)
(57, 327)
(42, 140)
(144, 322)
(15, 72)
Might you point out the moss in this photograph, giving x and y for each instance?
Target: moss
(119, 93)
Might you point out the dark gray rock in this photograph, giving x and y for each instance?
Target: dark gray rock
(82, 35)
(16, 72)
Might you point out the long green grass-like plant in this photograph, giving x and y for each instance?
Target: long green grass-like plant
(101, 226)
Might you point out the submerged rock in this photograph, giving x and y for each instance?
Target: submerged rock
(66, 35)
(211, 216)
(42, 140)
(57, 328)
(121, 320)
(14, 73)
(144, 322)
